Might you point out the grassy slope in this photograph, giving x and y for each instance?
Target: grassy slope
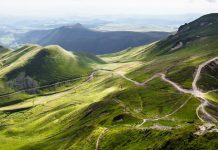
(53, 64)
(208, 81)
(3, 51)
(75, 119)
(44, 65)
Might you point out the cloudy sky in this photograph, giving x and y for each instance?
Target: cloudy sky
(105, 7)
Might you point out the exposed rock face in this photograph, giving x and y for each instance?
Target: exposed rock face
(23, 82)
(178, 46)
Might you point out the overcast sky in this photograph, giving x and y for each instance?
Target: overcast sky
(54, 8)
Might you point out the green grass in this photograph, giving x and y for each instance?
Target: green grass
(72, 115)
(53, 64)
(209, 77)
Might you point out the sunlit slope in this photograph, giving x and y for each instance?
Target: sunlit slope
(33, 66)
(12, 60)
(75, 119)
(199, 43)
(130, 54)
(52, 64)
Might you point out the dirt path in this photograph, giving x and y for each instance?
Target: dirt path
(176, 110)
(99, 137)
(211, 91)
(194, 91)
(128, 79)
(207, 116)
(163, 77)
(43, 99)
(197, 93)
(198, 73)
(200, 94)
(40, 87)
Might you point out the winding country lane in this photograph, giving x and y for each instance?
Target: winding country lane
(176, 110)
(200, 94)
(194, 91)
(42, 99)
(40, 87)
(197, 93)
(163, 77)
(197, 76)
(128, 79)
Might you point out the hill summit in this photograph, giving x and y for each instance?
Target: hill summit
(50, 64)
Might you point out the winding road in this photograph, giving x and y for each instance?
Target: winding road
(197, 93)
(40, 87)
(176, 110)
(41, 99)
(194, 91)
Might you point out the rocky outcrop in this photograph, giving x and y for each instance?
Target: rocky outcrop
(178, 46)
(23, 82)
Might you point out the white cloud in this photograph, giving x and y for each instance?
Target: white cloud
(98, 7)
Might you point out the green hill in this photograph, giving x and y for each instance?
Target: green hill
(33, 66)
(52, 64)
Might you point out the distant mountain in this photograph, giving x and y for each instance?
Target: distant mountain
(79, 38)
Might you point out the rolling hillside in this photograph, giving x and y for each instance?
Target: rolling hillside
(79, 38)
(159, 96)
(52, 63)
(33, 66)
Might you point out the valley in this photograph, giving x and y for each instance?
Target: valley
(153, 96)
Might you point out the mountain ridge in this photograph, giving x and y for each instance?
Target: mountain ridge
(79, 38)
